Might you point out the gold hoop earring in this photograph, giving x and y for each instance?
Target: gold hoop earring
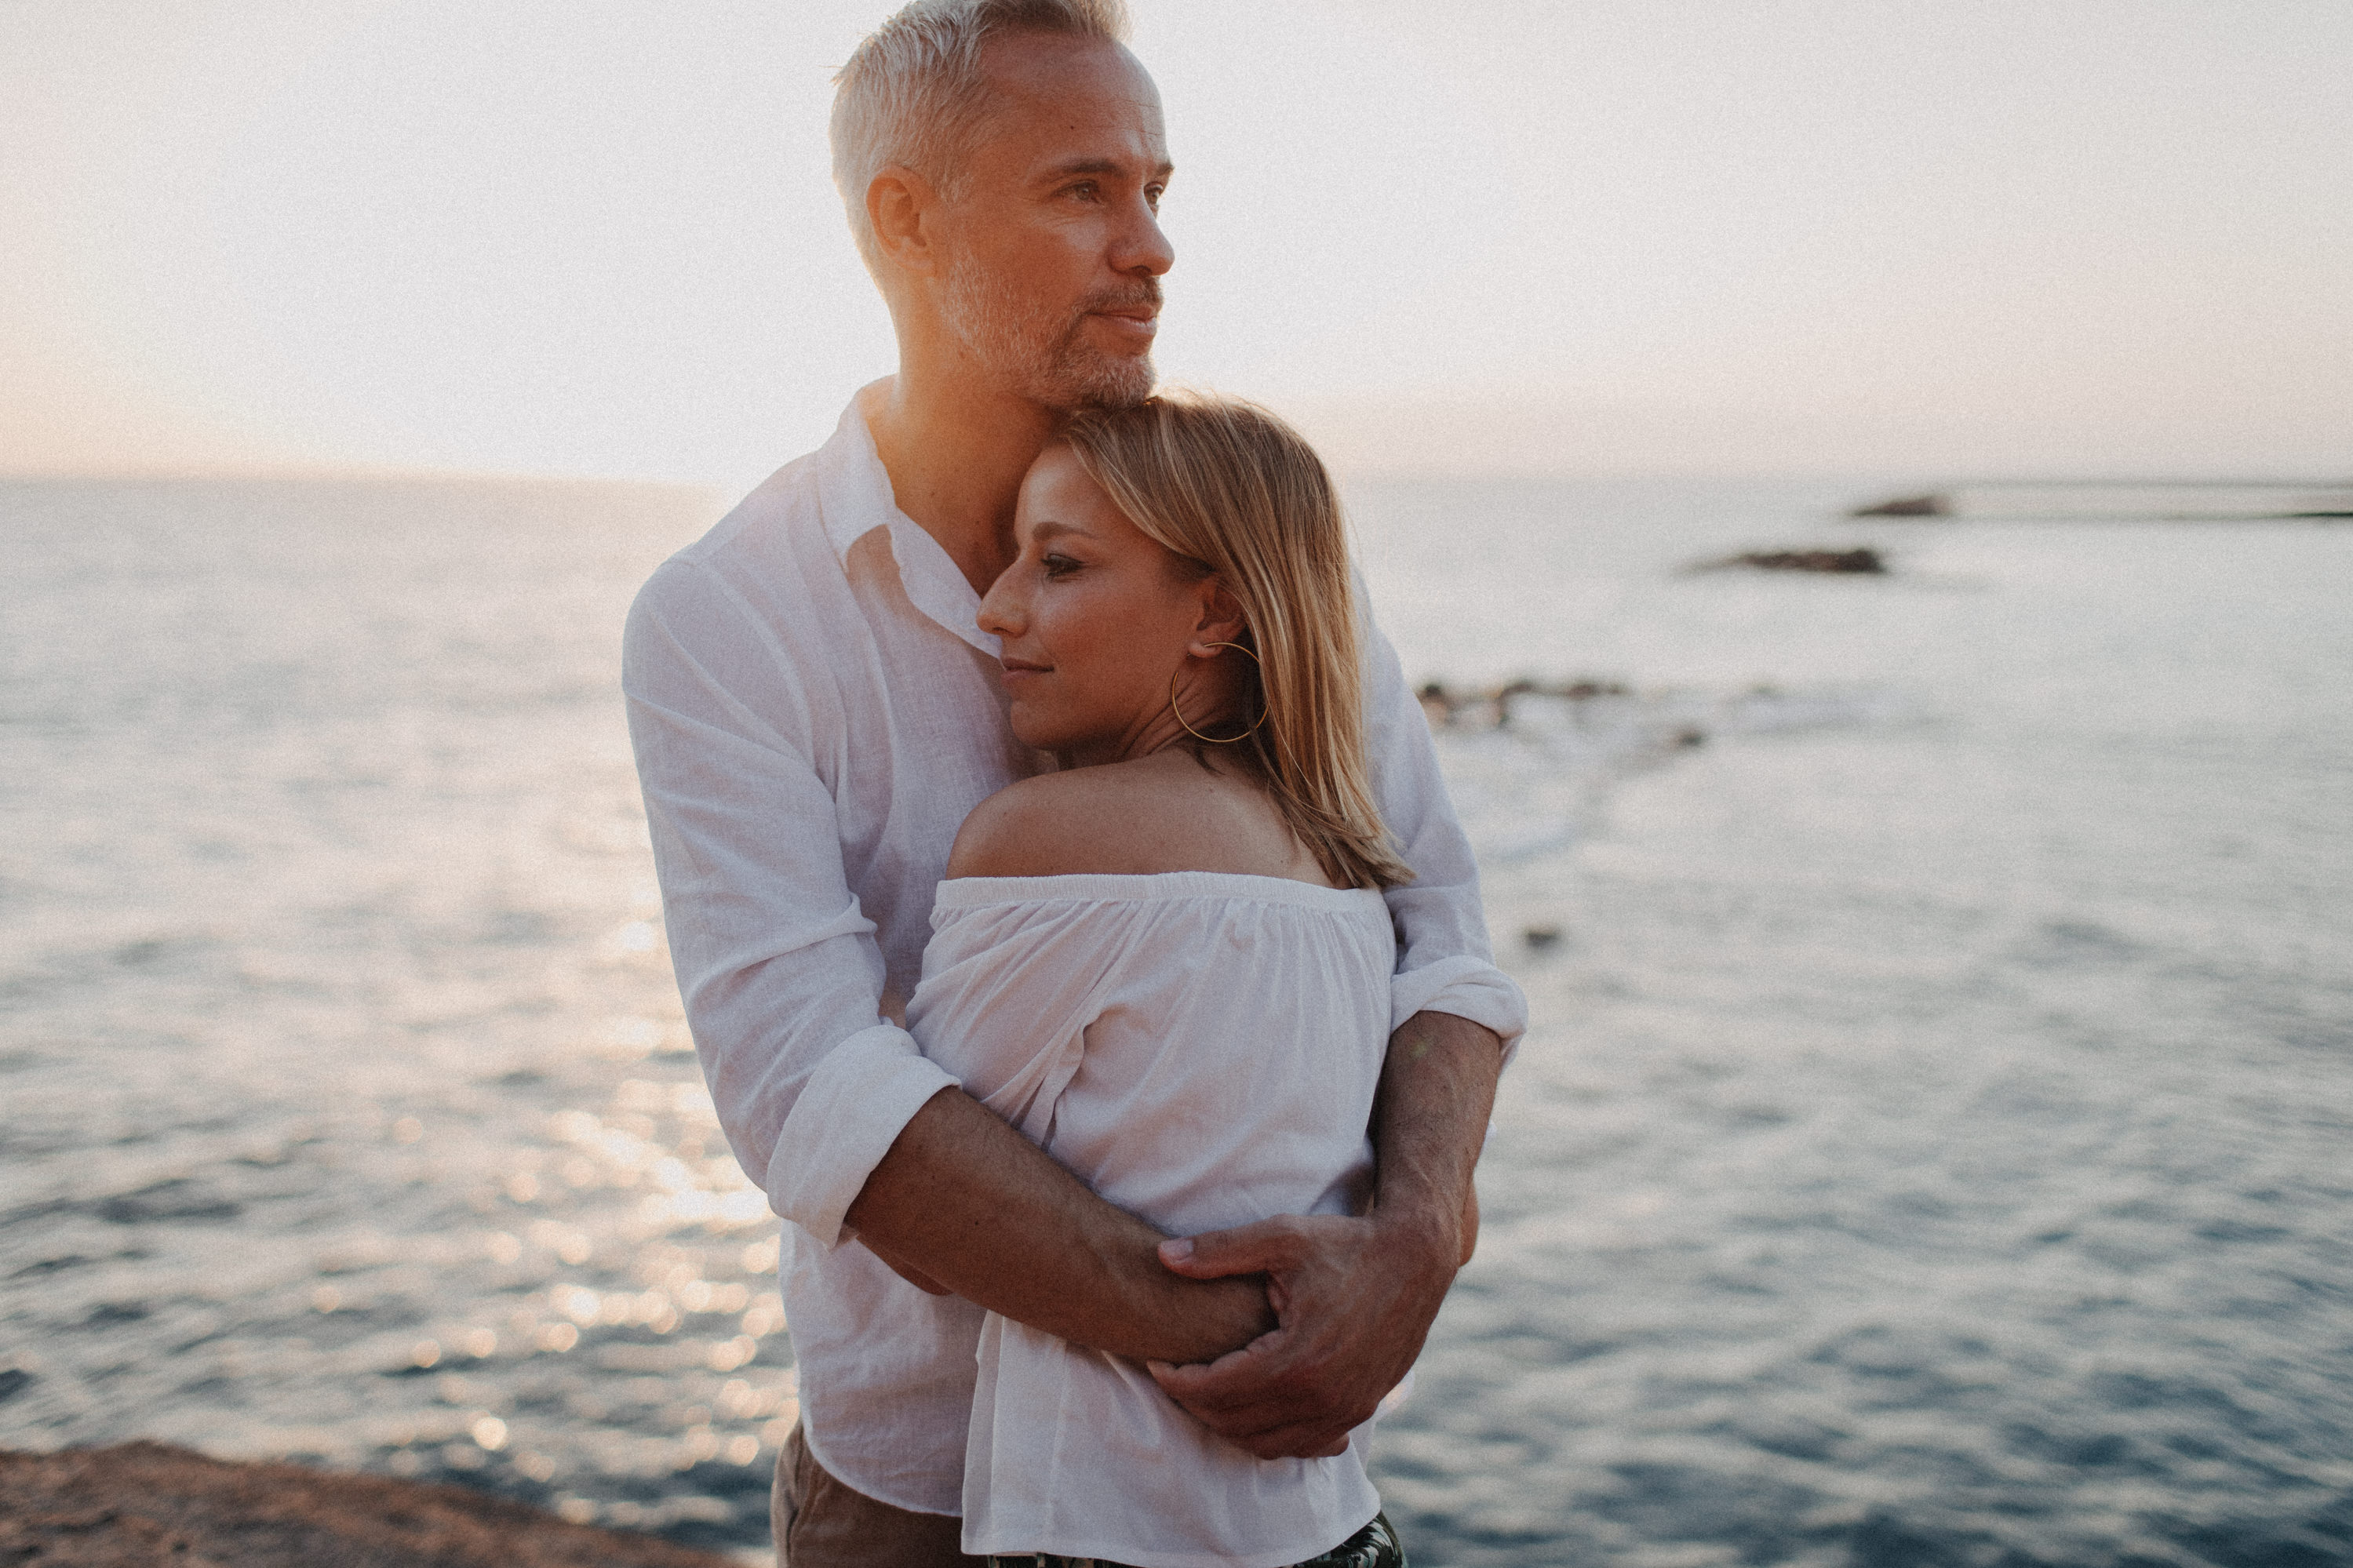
(1215, 739)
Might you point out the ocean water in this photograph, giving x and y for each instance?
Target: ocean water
(1934, 1145)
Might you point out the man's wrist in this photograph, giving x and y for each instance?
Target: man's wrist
(1420, 1225)
(1197, 1319)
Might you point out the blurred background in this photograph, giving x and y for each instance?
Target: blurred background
(1932, 1144)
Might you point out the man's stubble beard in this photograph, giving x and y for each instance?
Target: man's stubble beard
(1039, 357)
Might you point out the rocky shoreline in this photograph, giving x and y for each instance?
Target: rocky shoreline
(144, 1503)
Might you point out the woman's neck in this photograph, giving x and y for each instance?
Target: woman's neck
(1211, 709)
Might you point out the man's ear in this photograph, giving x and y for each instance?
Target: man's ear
(903, 210)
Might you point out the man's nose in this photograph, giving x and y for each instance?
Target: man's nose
(1141, 249)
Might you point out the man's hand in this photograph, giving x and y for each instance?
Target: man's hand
(964, 1205)
(1353, 1299)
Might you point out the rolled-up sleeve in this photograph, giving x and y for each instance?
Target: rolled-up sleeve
(777, 964)
(1445, 961)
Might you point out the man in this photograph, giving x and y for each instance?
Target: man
(815, 710)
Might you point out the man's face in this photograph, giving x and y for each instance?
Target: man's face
(1055, 253)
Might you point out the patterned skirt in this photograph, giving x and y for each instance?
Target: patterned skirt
(1374, 1546)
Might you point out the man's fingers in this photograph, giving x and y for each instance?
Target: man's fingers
(1295, 1442)
(1245, 1398)
(1276, 1432)
(1238, 1375)
(1270, 1244)
(1272, 1429)
(1263, 1374)
(1354, 1302)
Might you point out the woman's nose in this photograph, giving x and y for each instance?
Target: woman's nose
(1000, 611)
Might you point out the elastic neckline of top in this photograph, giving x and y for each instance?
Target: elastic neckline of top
(1155, 887)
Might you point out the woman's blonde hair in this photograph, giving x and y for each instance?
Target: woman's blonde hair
(1232, 490)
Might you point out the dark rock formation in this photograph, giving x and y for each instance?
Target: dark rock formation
(1861, 561)
(146, 1503)
(1490, 709)
(1930, 505)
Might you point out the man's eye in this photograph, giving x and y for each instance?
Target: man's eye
(1086, 190)
(1152, 194)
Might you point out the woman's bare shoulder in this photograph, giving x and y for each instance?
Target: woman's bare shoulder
(1124, 819)
(1021, 830)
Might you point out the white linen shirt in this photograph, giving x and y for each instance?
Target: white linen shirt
(814, 709)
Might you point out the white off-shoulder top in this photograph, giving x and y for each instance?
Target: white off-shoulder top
(1202, 1050)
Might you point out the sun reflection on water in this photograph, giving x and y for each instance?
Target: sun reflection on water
(358, 1122)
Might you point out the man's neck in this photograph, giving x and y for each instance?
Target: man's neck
(956, 454)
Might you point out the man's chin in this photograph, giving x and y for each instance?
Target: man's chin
(1101, 381)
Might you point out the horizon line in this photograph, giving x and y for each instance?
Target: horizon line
(1872, 475)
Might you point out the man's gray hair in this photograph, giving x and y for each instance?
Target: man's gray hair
(912, 94)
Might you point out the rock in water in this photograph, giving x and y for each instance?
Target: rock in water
(147, 1503)
(1861, 561)
(1907, 506)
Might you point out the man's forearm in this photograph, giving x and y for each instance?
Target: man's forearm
(1430, 1118)
(984, 1212)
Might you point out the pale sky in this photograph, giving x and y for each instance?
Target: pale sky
(591, 237)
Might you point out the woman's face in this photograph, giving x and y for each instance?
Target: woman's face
(1094, 618)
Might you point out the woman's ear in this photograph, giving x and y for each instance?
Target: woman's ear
(1222, 619)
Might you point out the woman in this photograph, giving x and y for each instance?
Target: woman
(1169, 964)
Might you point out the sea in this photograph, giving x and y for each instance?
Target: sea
(1934, 1145)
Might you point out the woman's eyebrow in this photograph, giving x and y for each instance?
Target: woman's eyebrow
(1045, 530)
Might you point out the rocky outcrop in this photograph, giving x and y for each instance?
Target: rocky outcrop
(1861, 561)
(1490, 708)
(147, 1503)
(1907, 506)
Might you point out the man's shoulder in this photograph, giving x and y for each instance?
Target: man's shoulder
(771, 546)
(786, 505)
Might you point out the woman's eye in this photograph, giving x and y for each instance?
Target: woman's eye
(1059, 566)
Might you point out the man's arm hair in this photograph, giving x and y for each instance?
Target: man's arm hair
(1430, 1123)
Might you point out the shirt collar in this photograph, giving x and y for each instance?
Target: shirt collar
(855, 498)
